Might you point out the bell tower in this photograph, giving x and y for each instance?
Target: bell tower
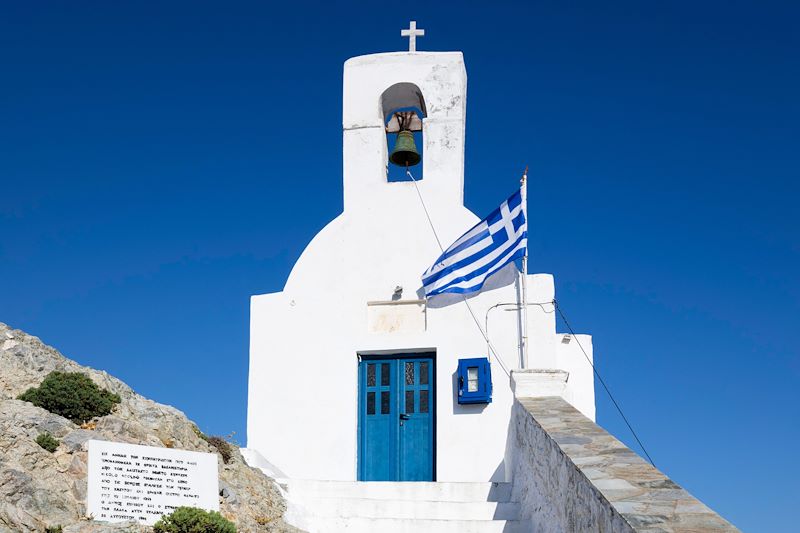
(435, 83)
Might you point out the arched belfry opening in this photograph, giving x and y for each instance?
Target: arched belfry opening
(403, 108)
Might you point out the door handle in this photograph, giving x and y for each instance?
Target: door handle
(404, 416)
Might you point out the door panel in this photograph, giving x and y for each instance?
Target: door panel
(416, 453)
(396, 419)
(378, 444)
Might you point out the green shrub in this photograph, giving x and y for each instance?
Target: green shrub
(48, 442)
(53, 529)
(72, 395)
(191, 520)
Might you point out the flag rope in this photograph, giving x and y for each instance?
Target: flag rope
(466, 302)
(603, 383)
(555, 305)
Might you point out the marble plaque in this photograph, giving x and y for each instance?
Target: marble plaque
(142, 483)
(401, 316)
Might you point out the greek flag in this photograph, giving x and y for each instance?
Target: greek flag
(490, 245)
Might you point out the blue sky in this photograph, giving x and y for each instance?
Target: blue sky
(161, 162)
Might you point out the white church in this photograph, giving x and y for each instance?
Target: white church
(359, 384)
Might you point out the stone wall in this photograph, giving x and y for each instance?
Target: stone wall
(569, 474)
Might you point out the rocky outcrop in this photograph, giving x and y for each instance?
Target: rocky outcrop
(39, 489)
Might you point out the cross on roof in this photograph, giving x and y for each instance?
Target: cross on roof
(412, 33)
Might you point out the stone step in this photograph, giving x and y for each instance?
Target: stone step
(394, 525)
(390, 490)
(407, 509)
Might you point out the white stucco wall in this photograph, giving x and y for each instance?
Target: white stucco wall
(304, 341)
(569, 357)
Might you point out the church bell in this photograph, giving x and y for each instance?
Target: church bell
(404, 123)
(405, 153)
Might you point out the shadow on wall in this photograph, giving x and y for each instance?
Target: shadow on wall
(499, 475)
(464, 409)
(508, 275)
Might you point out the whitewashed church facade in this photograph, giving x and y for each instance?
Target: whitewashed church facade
(336, 345)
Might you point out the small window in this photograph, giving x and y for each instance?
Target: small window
(385, 375)
(370, 403)
(385, 406)
(409, 373)
(370, 375)
(423, 401)
(423, 373)
(409, 402)
(472, 379)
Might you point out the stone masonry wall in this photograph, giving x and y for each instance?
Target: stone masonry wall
(569, 474)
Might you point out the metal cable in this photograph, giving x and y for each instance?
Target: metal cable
(466, 302)
(560, 312)
(603, 383)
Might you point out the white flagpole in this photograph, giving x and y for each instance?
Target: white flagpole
(524, 307)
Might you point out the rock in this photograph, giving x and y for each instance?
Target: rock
(228, 493)
(8, 344)
(39, 489)
(31, 503)
(75, 440)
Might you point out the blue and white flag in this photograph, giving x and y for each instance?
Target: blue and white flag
(490, 245)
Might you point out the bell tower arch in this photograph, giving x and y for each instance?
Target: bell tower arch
(435, 83)
(403, 112)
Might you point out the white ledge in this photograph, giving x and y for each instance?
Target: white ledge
(396, 302)
(537, 383)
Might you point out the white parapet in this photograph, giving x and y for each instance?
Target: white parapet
(536, 383)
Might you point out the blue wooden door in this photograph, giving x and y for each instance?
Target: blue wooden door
(416, 420)
(396, 419)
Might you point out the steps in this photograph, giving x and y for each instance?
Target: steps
(389, 507)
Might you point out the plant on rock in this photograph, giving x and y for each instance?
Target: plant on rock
(191, 520)
(222, 446)
(48, 442)
(72, 395)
